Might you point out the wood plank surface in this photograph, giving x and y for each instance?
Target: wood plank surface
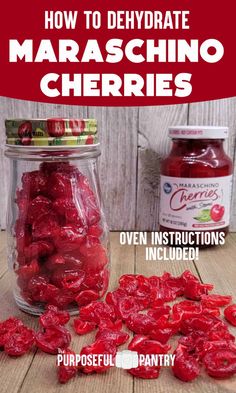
(36, 371)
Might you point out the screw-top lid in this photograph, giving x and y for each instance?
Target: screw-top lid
(198, 132)
(53, 132)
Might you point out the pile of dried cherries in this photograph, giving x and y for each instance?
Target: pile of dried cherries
(141, 303)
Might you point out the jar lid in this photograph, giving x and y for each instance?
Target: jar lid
(53, 133)
(198, 132)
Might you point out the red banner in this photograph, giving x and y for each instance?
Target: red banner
(117, 54)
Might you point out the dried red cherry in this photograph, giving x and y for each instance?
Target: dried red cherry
(185, 367)
(87, 296)
(220, 363)
(117, 336)
(83, 327)
(67, 371)
(28, 271)
(46, 227)
(37, 207)
(141, 323)
(109, 324)
(53, 339)
(35, 183)
(7, 327)
(97, 348)
(19, 341)
(145, 372)
(230, 314)
(95, 311)
(69, 238)
(214, 300)
(53, 316)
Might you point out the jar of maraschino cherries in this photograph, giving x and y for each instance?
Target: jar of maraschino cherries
(57, 232)
(196, 181)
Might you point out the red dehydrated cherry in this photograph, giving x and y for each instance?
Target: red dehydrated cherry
(73, 280)
(69, 238)
(117, 336)
(187, 309)
(62, 184)
(46, 227)
(70, 279)
(95, 230)
(124, 305)
(145, 372)
(95, 311)
(28, 271)
(209, 346)
(202, 323)
(215, 300)
(97, 348)
(53, 316)
(194, 290)
(185, 367)
(86, 296)
(109, 324)
(22, 201)
(35, 183)
(91, 210)
(38, 249)
(19, 341)
(230, 314)
(220, 363)
(66, 208)
(129, 283)
(141, 323)
(54, 261)
(72, 259)
(176, 284)
(158, 311)
(94, 254)
(83, 327)
(67, 371)
(62, 299)
(7, 327)
(142, 344)
(37, 207)
(53, 339)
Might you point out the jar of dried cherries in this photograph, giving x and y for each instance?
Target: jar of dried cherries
(196, 181)
(57, 232)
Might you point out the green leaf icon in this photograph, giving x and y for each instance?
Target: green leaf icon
(204, 216)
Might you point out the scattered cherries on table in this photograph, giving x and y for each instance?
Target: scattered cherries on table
(140, 303)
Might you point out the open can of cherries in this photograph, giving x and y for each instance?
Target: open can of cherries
(57, 232)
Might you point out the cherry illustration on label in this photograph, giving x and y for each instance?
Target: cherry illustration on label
(217, 212)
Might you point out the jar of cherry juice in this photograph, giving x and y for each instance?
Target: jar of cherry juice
(57, 232)
(196, 181)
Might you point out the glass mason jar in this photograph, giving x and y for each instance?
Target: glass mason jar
(57, 232)
(196, 181)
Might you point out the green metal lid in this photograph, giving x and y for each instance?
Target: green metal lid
(55, 132)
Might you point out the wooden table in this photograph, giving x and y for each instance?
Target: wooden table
(35, 372)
